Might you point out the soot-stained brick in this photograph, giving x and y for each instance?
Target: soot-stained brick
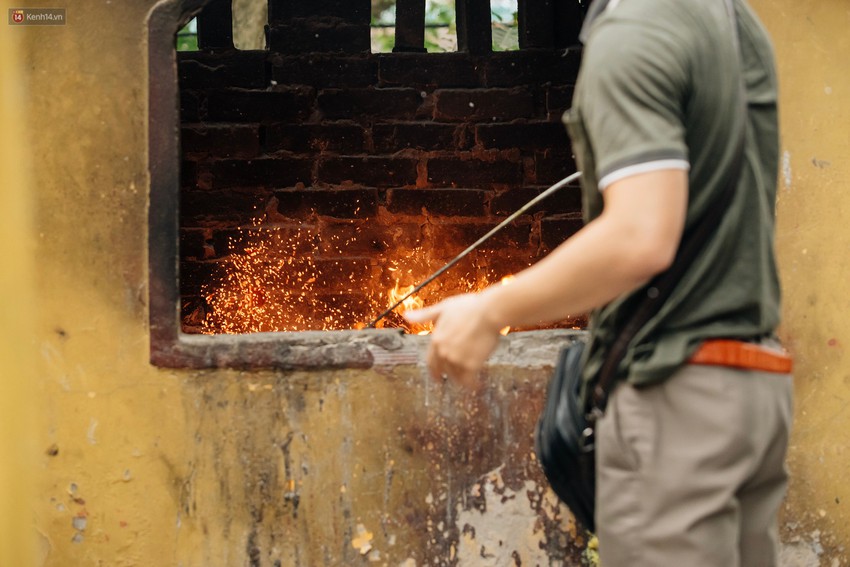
(448, 70)
(453, 172)
(531, 135)
(217, 70)
(327, 136)
(446, 202)
(418, 135)
(337, 203)
(357, 103)
(553, 231)
(203, 208)
(565, 200)
(230, 140)
(374, 171)
(267, 172)
(551, 166)
(325, 71)
(234, 105)
(319, 35)
(508, 68)
(461, 105)
(558, 100)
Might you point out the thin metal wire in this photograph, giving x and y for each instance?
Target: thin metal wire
(562, 183)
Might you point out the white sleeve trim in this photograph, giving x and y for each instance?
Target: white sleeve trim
(611, 5)
(645, 167)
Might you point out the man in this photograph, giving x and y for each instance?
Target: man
(690, 461)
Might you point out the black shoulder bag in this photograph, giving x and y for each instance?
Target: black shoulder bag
(565, 434)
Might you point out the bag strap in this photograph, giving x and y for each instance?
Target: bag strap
(661, 287)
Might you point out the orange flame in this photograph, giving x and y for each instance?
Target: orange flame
(412, 302)
(268, 283)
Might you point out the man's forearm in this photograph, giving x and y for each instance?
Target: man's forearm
(634, 239)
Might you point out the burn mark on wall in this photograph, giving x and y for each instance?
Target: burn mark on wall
(431, 473)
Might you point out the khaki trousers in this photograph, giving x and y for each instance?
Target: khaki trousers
(691, 472)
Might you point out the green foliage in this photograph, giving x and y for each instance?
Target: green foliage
(187, 37)
(441, 26)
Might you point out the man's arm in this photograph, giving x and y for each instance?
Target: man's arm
(635, 238)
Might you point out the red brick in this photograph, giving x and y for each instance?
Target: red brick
(337, 203)
(517, 236)
(322, 70)
(267, 172)
(453, 172)
(356, 103)
(396, 136)
(193, 276)
(313, 35)
(208, 208)
(192, 243)
(483, 104)
(531, 135)
(344, 309)
(558, 100)
(531, 67)
(188, 174)
(234, 105)
(220, 140)
(445, 202)
(554, 231)
(354, 238)
(327, 136)
(357, 11)
(344, 274)
(551, 166)
(566, 200)
(446, 70)
(218, 70)
(278, 241)
(373, 171)
(192, 106)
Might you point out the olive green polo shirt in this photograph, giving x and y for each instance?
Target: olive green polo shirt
(659, 88)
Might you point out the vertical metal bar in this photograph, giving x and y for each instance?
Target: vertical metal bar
(474, 31)
(567, 21)
(536, 23)
(410, 26)
(215, 25)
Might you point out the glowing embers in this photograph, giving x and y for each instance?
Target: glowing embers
(277, 279)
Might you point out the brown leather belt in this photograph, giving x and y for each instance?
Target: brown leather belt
(741, 354)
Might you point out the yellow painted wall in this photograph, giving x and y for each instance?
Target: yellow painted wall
(146, 467)
(17, 390)
(813, 243)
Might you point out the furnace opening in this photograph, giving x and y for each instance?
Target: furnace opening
(319, 181)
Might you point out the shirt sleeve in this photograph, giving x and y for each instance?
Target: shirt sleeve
(635, 87)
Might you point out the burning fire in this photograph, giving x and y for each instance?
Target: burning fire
(412, 302)
(272, 283)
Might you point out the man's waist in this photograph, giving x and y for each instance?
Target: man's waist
(763, 355)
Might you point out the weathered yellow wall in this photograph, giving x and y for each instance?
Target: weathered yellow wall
(17, 391)
(813, 243)
(146, 467)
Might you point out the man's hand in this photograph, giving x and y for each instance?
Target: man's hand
(464, 336)
(635, 238)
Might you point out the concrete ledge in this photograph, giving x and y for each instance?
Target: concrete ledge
(316, 350)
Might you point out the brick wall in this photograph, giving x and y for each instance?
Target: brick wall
(374, 161)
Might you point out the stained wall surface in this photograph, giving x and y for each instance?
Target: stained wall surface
(813, 241)
(140, 466)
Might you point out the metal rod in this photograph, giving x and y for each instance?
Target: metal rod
(479, 242)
